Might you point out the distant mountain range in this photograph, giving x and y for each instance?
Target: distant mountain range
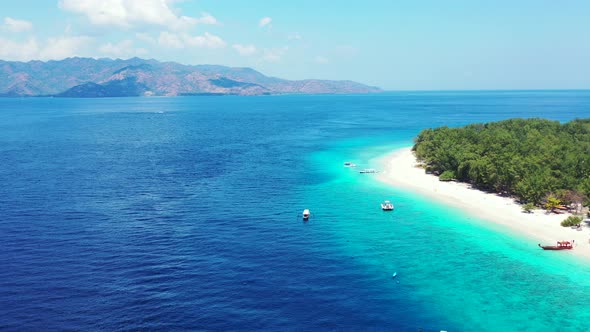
(91, 78)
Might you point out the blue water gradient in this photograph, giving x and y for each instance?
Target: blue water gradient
(182, 214)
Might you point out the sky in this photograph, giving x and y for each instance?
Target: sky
(393, 44)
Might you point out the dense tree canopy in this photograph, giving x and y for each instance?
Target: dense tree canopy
(529, 158)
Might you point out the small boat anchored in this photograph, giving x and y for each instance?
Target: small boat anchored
(387, 206)
(306, 214)
(561, 245)
(368, 171)
(349, 164)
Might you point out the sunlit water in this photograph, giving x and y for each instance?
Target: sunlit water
(183, 214)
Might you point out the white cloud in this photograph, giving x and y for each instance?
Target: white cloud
(15, 25)
(55, 48)
(62, 47)
(183, 40)
(146, 38)
(274, 54)
(123, 49)
(131, 13)
(169, 39)
(207, 40)
(265, 21)
(321, 60)
(15, 51)
(245, 50)
(294, 36)
(207, 18)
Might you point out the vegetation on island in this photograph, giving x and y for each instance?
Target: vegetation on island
(540, 162)
(571, 221)
(528, 207)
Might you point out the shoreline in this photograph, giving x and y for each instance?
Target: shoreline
(399, 170)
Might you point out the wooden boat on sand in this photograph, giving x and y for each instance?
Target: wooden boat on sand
(561, 245)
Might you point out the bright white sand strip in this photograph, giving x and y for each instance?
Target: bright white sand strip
(399, 170)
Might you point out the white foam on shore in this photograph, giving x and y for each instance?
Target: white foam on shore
(400, 170)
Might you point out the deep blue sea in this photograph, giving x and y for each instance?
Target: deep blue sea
(181, 214)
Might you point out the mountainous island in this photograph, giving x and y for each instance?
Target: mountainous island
(94, 78)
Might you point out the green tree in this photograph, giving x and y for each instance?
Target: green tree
(552, 203)
(528, 158)
(528, 207)
(571, 221)
(447, 176)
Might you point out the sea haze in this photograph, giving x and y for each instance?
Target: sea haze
(183, 214)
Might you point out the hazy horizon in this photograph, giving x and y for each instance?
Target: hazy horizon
(401, 46)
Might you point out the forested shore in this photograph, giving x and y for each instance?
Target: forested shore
(536, 160)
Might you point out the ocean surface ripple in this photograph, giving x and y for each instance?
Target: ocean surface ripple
(183, 214)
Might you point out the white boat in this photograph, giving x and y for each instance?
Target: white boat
(349, 164)
(387, 206)
(368, 170)
(306, 214)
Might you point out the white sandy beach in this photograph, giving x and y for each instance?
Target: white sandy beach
(399, 169)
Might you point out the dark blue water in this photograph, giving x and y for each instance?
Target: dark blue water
(181, 213)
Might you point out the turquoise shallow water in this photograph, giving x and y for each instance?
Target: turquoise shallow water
(181, 214)
(477, 275)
